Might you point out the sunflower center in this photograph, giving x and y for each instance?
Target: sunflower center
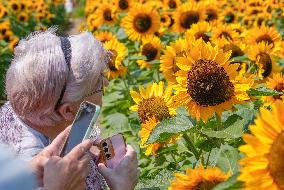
(211, 15)
(111, 63)
(202, 35)
(188, 18)
(149, 51)
(266, 62)
(3, 31)
(265, 38)
(142, 23)
(260, 20)
(236, 51)
(279, 87)
(15, 7)
(153, 107)
(208, 83)
(225, 35)
(276, 164)
(229, 17)
(206, 185)
(163, 19)
(22, 18)
(123, 4)
(172, 4)
(107, 15)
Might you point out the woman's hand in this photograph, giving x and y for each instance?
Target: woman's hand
(125, 175)
(68, 173)
(38, 162)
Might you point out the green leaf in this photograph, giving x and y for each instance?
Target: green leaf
(121, 35)
(156, 61)
(168, 128)
(281, 62)
(137, 57)
(226, 158)
(263, 91)
(155, 177)
(231, 184)
(168, 149)
(231, 132)
(117, 121)
(182, 111)
(240, 58)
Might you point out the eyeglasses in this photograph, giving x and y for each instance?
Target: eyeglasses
(103, 83)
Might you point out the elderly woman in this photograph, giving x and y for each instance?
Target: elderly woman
(48, 79)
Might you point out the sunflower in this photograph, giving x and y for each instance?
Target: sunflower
(5, 28)
(263, 166)
(92, 22)
(212, 10)
(188, 14)
(229, 16)
(155, 5)
(104, 36)
(106, 14)
(237, 27)
(140, 22)
(265, 34)
(261, 54)
(166, 19)
(13, 43)
(118, 51)
(14, 6)
(168, 60)
(206, 82)
(276, 83)
(144, 134)
(3, 11)
(237, 48)
(151, 48)
(153, 102)
(198, 178)
(199, 30)
(172, 4)
(224, 33)
(123, 5)
(260, 20)
(23, 17)
(212, 13)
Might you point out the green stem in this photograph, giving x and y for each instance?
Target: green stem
(158, 74)
(191, 146)
(172, 155)
(126, 87)
(207, 162)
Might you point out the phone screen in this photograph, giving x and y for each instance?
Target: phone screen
(85, 118)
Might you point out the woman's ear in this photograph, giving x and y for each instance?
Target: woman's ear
(66, 110)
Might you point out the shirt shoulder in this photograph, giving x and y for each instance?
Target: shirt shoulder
(25, 141)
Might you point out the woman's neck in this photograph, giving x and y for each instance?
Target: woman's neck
(50, 131)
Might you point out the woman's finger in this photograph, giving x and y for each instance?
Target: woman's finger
(80, 150)
(57, 144)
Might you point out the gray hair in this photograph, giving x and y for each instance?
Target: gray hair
(39, 72)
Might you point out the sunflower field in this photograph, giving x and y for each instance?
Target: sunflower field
(18, 18)
(197, 87)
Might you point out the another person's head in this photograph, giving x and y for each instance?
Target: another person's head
(42, 89)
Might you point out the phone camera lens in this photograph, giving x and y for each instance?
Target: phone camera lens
(106, 149)
(108, 156)
(104, 144)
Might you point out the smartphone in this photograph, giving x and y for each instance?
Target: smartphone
(82, 127)
(113, 150)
